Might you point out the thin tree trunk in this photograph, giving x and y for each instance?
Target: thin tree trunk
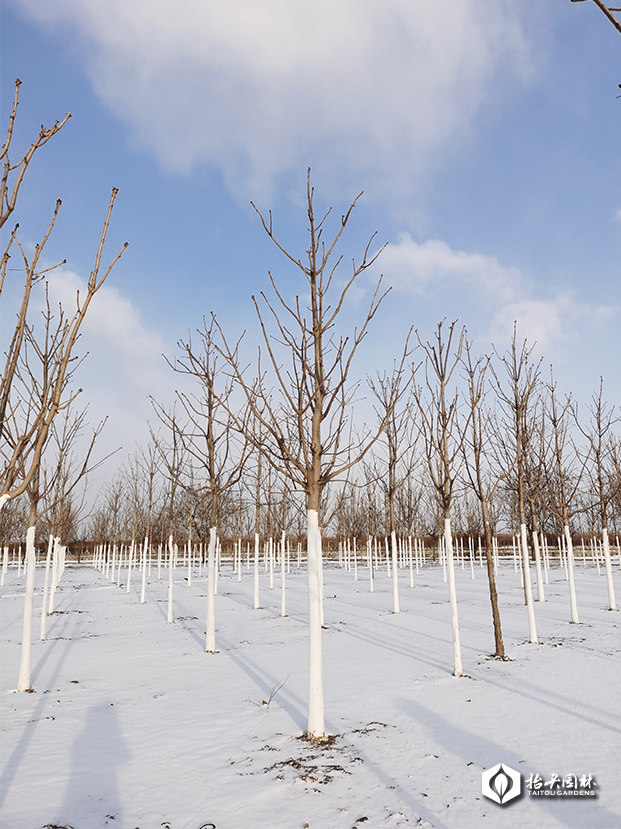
(541, 597)
(395, 580)
(256, 571)
(171, 562)
(282, 575)
(612, 604)
(528, 589)
(48, 560)
(491, 578)
(143, 598)
(570, 573)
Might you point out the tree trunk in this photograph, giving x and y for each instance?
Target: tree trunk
(491, 578)
(316, 725)
(283, 557)
(44, 601)
(448, 543)
(395, 579)
(143, 589)
(210, 638)
(612, 604)
(541, 597)
(570, 573)
(528, 589)
(23, 683)
(171, 562)
(256, 571)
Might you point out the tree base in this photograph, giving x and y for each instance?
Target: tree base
(324, 740)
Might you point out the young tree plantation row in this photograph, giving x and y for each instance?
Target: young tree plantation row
(459, 445)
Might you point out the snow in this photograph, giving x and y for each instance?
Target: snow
(133, 725)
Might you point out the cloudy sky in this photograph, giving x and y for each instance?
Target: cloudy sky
(485, 135)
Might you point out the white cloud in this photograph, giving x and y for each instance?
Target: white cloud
(260, 88)
(548, 323)
(428, 266)
(482, 292)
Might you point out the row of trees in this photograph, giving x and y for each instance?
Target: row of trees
(456, 441)
(143, 497)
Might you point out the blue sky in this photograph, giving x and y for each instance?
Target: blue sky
(484, 133)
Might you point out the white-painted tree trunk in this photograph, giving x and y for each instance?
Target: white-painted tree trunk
(283, 565)
(48, 560)
(23, 683)
(573, 604)
(55, 576)
(171, 564)
(528, 590)
(130, 559)
(256, 571)
(395, 579)
(5, 563)
(612, 603)
(210, 636)
(316, 725)
(442, 554)
(450, 568)
(189, 563)
(216, 571)
(143, 595)
(541, 596)
(410, 561)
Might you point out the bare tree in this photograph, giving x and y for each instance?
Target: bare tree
(389, 392)
(443, 444)
(565, 477)
(522, 380)
(475, 463)
(32, 373)
(25, 433)
(306, 426)
(217, 458)
(599, 437)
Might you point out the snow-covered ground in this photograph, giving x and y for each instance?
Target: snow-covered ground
(133, 725)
